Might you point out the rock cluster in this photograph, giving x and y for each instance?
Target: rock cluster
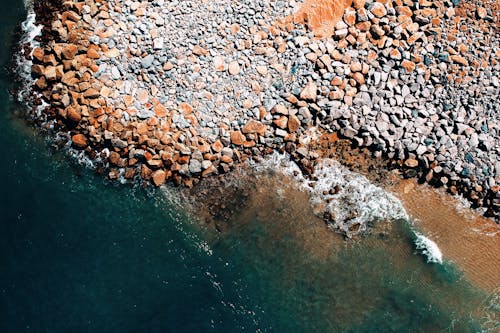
(185, 89)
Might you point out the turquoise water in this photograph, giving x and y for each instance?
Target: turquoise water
(79, 254)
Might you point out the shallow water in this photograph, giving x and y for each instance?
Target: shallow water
(78, 254)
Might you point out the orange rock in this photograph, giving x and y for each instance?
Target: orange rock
(281, 122)
(199, 51)
(459, 60)
(254, 126)
(309, 92)
(350, 16)
(359, 78)
(160, 110)
(237, 138)
(159, 177)
(185, 108)
(217, 146)
(358, 4)
(321, 16)
(38, 54)
(226, 159)
(411, 163)
(378, 9)
(79, 141)
(73, 114)
(93, 54)
(409, 66)
(69, 52)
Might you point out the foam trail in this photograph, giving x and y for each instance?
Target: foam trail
(428, 248)
(348, 200)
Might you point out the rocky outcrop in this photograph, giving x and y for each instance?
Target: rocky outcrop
(168, 95)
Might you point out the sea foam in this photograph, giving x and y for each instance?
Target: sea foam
(428, 248)
(349, 199)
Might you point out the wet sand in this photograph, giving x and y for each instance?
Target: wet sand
(465, 237)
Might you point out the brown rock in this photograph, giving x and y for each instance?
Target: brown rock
(73, 114)
(280, 109)
(69, 52)
(38, 70)
(91, 93)
(38, 54)
(79, 141)
(359, 78)
(356, 67)
(254, 126)
(378, 9)
(114, 158)
(293, 123)
(237, 138)
(93, 54)
(350, 16)
(186, 108)
(199, 51)
(281, 122)
(408, 65)
(309, 92)
(358, 4)
(395, 54)
(481, 12)
(217, 146)
(50, 73)
(226, 159)
(411, 163)
(146, 172)
(459, 60)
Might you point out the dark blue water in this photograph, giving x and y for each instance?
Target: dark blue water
(78, 254)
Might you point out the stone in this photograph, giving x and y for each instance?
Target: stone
(253, 127)
(159, 177)
(199, 51)
(280, 109)
(112, 53)
(219, 63)
(73, 114)
(147, 61)
(281, 122)
(459, 60)
(69, 52)
(411, 163)
(408, 65)
(481, 12)
(237, 138)
(79, 141)
(234, 68)
(38, 54)
(378, 9)
(309, 93)
(194, 166)
(350, 16)
(293, 123)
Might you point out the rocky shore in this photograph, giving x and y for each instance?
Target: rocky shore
(182, 90)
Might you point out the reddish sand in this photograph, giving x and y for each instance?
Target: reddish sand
(321, 15)
(464, 237)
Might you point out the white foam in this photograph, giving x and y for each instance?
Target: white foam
(428, 248)
(350, 200)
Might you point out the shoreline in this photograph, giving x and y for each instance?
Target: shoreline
(167, 141)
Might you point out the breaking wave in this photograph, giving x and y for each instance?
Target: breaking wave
(428, 248)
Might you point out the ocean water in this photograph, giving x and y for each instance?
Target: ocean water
(80, 254)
